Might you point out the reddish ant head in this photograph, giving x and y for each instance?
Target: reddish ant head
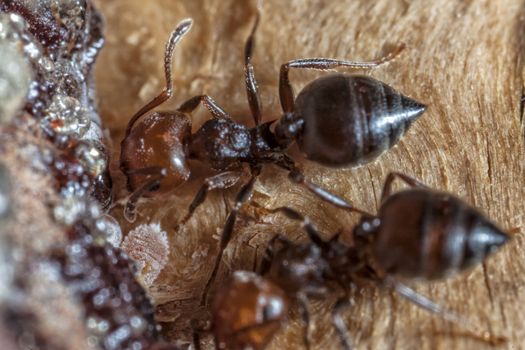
(248, 311)
(428, 235)
(159, 140)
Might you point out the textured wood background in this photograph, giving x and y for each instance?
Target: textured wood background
(463, 59)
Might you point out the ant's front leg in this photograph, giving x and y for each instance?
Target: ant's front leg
(242, 196)
(155, 174)
(302, 301)
(220, 181)
(338, 322)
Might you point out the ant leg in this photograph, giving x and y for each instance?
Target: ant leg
(267, 259)
(427, 304)
(196, 331)
(305, 318)
(387, 187)
(196, 340)
(309, 228)
(252, 92)
(221, 181)
(286, 93)
(208, 102)
(296, 176)
(339, 323)
(182, 28)
(243, 195)
(157, 174)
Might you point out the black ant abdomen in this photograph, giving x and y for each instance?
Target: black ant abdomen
(351, 119)
(428, 235)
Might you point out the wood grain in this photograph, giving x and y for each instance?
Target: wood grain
(463, 59)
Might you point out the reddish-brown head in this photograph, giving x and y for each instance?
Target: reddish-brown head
(157, 141)
(247, 312)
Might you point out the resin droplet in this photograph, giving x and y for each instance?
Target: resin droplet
(5, 196)
(66, 116)
(6, 266)
(110, 226)
(73, 207)
(15, 70)
(92, 156)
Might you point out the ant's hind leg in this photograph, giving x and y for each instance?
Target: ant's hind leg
(427, 304)
(286, 93)
(339, 324)
(156, 175)
(296, 176)
(242, 196)
(208, 102)
(220, 181)
(182, 28)
(387, 187)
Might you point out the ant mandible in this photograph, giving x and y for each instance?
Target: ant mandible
(418, 233)
(337, 120)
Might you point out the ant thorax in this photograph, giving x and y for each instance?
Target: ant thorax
(222, 143)
(287, 128)
(299, 266)
(365, 230)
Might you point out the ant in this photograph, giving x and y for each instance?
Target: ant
(337, 120)
(419, 233)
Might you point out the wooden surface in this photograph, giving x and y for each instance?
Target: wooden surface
(463, 59)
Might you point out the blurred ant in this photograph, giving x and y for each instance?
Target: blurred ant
(337, 120)
(418, 233)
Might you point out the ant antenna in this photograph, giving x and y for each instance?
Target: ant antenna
(427, 304)
(182, 28)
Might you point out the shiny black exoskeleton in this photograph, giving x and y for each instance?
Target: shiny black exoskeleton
(343, 120)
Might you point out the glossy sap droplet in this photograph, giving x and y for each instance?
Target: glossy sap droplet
(91, 155)
(66, 116)
(15, 71)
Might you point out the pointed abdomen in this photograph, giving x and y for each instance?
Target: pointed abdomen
(428, 235)
(350, 119)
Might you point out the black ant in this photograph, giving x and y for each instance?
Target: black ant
(337, 120)
(419, 233)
